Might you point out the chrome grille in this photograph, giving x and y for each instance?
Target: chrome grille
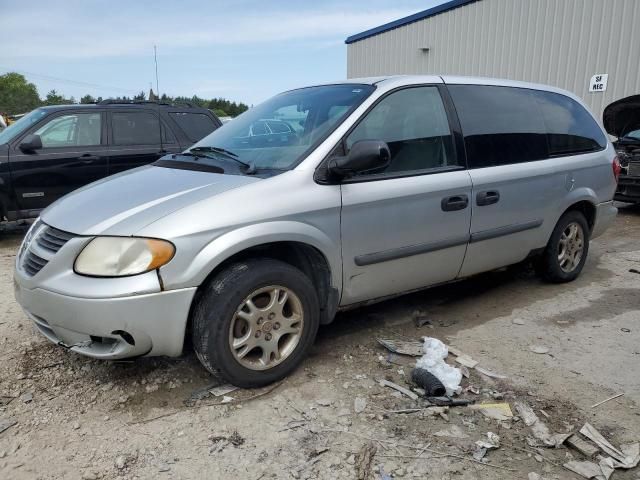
(42, 243)
(52, 239)
(634, 169)
(32, 263)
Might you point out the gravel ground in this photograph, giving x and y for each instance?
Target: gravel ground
(78, 418)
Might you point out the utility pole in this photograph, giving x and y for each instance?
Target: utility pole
(155, 57)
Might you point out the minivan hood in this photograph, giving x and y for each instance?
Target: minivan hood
(124, 203)
(622, 116)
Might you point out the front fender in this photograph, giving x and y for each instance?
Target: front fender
(225, 246)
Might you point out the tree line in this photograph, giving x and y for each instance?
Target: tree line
(17, 95)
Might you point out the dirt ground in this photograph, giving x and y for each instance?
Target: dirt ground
(151, 418)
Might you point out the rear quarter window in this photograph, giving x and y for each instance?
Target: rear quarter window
(196, 126)
(570, 128)
(501, 125)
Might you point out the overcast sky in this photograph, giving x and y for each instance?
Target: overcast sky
(244, 50)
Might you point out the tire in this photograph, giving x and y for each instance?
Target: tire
(222, 317)
(555, 267)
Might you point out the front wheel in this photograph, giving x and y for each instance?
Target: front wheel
(255, 322)
(566, 253)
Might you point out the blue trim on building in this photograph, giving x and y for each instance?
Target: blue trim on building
(445, 7)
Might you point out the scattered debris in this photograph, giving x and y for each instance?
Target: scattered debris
(539, 428)
(466, 361)
(364, 459)
(490, 374)
(236, 439)
(4, 401)
(450, 402)
(465, 371)
(429, 382)
(625, 330)
(584, 469)
(472, 389)
(226, 399)
(539, 349)
(27, 397)
(628, 456)
(462, 358)
(496, 411)
(324, 402)
(518, 321)
(433, 362)
(606, 400)
(359, 404)
(395, 386)
(633, 270)
(6, 423)
(222, 390)
(483, 446)
(402, 347)
(584, 447)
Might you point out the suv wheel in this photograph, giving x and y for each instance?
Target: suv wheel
(255, 321)
(566, 252)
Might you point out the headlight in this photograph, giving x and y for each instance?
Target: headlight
(122, 256)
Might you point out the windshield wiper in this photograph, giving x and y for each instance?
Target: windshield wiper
(228, 153)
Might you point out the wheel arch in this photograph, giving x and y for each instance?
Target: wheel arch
(299, 245)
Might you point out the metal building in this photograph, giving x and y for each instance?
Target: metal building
(589, 47)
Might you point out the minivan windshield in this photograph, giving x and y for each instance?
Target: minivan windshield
(21, 125)
(277, 134)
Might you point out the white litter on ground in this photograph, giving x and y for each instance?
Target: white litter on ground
(433, 361)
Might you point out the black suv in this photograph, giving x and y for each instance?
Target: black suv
(54, 150)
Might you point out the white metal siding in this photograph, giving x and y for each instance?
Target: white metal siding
(556, 42)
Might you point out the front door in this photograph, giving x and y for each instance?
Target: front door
(406, 227)
(73, 153)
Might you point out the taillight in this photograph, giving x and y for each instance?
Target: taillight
(617, 168)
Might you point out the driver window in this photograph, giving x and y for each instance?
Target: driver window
(75, 130)
(413, 122)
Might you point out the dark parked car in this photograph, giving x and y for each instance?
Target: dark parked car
(54, 150)
(622, 120)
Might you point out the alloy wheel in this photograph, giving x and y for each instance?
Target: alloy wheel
(571, 247)
(266, 327)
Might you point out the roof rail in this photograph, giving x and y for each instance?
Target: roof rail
(111, 101)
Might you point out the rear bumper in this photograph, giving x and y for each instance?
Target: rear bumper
(605, 216)
(110, 328)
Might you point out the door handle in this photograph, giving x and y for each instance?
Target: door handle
(88, 158)
(455, 202)
(487, 198)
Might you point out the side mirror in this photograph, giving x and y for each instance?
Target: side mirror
(31, 143)
(364, 155)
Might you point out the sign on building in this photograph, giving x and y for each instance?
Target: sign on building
(599, 82)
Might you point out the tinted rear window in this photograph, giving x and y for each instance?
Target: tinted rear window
(135, 128)
(195, 125)
(571, 129)
(501, 125)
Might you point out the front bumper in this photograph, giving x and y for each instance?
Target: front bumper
(110, 328)
(605, 215)
(628, 189)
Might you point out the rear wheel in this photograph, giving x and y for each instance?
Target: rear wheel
(255, 322)
(566, 252)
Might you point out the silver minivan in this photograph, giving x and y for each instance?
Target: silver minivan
(244, 244)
